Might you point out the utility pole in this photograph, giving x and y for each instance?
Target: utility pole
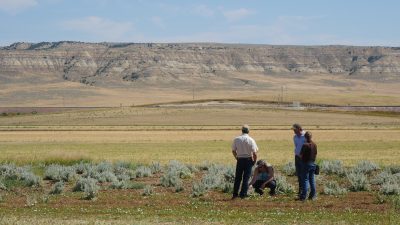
(193, 91)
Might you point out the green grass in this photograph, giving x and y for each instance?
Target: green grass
(196, 211)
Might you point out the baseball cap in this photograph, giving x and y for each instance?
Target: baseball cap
(296, 126)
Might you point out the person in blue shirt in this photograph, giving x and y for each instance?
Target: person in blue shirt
(263, 177)
(298, 140)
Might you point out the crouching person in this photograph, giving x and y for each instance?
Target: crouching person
(263, 176)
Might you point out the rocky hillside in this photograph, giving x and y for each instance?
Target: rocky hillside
(115, 64)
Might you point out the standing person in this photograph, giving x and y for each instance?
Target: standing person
(263, 176)
(298, 140)
(244, 149)
(308, 156)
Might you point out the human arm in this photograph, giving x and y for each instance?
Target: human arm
(254, 157)
(253, 180)
(271, 177)
(234, 154)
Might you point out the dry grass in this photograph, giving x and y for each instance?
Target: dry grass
(193, 135)
(381, 146)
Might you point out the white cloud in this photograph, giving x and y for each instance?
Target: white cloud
(15, 6)
(203, 10)
(237, 14)
(102, 29)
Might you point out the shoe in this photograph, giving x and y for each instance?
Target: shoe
(314, 198)
(244, 196)
(234, 197)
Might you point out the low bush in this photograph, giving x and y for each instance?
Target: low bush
(365, 167)
(15, 176)
(59, 173)
(198, 189)
(331, 167)
(155, 167)
(147, 190)
(282, 186)
(143, 171)
(2, 185)
(333, 188)
(57, 188)
(382, 177)
(390, 187)
(358, 182)
(82, 183)
(170, 179)
(90, 190)
(289, 169)
(30, 180)
(393, 169)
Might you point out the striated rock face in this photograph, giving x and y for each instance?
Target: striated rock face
(104, 63)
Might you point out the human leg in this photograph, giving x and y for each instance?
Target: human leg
(304, 182)
(311, 175)
(298, 166)
(272, 186)
(247, 165)
(238, 177)
(257, 187)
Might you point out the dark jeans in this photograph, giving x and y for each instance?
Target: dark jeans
(271, 185)
(243, 172)
(299, 165)
(308, 179)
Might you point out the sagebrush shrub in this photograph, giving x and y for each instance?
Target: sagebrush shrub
(2, 185)
(181, 169)
(148, 190)
(227, 187)
(155, 167)
(57, 188)
(365, 167)
(333, 188)
(59, 173)
(358, 182)
(30, 179)
(282, 186)
(179, 186)
(331, 167)
(382, 177)
(170, 179)
(390, 187)
(198, 189)
(24, 174)
(143, 171)
(82, 182)
(90, 190)
(106, 176)
(393, 169)
(289, 169)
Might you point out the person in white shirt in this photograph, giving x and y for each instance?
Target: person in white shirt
(244, 149)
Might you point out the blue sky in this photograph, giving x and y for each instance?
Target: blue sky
(292, 22)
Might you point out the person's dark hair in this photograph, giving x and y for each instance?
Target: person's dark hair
(245, 129)
(308, 136)
(297, 126)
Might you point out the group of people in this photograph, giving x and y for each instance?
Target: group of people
(245, 149)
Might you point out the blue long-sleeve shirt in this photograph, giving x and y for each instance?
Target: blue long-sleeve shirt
(298, 141)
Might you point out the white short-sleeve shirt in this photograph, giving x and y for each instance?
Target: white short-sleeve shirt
(244, 146)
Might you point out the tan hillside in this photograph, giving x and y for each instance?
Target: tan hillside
(107, 74)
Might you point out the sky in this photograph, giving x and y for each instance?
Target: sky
(282, 22)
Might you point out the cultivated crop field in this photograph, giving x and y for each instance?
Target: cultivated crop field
(146, 165)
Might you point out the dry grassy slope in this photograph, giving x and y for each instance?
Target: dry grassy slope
(105, 73)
